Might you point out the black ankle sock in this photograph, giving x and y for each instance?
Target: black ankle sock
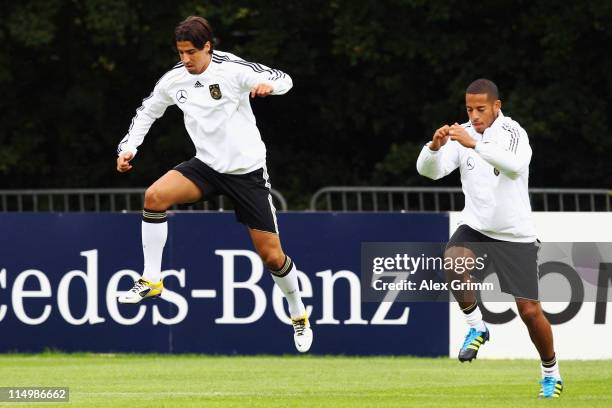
(285, 269)
(548, 363)
(470, 309)
(152, 216)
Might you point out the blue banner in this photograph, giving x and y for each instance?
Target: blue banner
(60, 275)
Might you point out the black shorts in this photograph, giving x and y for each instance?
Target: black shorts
(516, 263)
(250, 192)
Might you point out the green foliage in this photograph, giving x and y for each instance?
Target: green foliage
(31, 24)
(372, 80)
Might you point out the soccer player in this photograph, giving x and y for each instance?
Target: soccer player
(212, 89)
(492, 153)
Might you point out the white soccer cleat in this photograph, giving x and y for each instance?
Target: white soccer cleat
(302, 334)
(142, 289)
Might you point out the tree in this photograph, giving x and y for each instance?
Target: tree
(372, 79)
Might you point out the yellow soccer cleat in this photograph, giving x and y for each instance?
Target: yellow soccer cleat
(142, 289)
(302, 335)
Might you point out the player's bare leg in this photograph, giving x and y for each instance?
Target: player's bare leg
(465, 298)
(478, 333)
(538, 326)
(284, 273)
(172, 188)
(541, 335)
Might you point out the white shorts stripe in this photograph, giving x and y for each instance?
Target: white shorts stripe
(269, 186)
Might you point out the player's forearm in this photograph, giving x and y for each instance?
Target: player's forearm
(152, 108)
(282, 84)
(138, 130)
(509, 163)
(429, 163)
(125, 147)
(130, 143)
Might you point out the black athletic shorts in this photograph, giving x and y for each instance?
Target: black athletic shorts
(249, 192)
(516, 263)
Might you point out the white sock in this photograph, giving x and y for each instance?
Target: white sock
(153, 240)
(474, 319)
(551, 371)
(288, 284)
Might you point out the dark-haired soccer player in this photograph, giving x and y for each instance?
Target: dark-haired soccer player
(492, 153)
(212, 89)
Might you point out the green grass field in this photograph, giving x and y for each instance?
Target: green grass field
(299, 381)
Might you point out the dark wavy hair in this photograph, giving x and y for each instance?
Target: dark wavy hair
(195, 29)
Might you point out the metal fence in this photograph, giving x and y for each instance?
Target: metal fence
(448, 199)
(102, 200)
(326, 199)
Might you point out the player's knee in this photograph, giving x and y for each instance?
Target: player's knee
(458, 252)
(458, 256)
(154, 199)
(530, 312)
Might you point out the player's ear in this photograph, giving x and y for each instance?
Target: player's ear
(497, 106)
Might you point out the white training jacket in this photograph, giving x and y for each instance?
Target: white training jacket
(494, 179)
(216, 110)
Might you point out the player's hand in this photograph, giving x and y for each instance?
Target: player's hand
(123, 161)
(261, 90)
(458, 133)
(440, 137)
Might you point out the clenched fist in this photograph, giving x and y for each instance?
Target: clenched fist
(123, 161)
(440, 137)
(261, 90)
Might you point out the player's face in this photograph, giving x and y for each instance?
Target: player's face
(481, 110)
(196, 61)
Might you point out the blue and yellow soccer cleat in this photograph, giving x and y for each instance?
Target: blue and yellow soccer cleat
(551, 387)
(141, 290)
(472, 343)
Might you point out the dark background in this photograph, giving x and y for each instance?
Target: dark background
(372, 80)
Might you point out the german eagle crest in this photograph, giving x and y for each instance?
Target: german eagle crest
(215, 91)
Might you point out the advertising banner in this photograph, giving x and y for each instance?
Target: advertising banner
(60, 275)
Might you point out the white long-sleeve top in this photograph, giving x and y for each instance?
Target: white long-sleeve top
(216, 110)
(494, 179)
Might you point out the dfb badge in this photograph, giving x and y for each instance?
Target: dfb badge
(215, 91)
(495, 171)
